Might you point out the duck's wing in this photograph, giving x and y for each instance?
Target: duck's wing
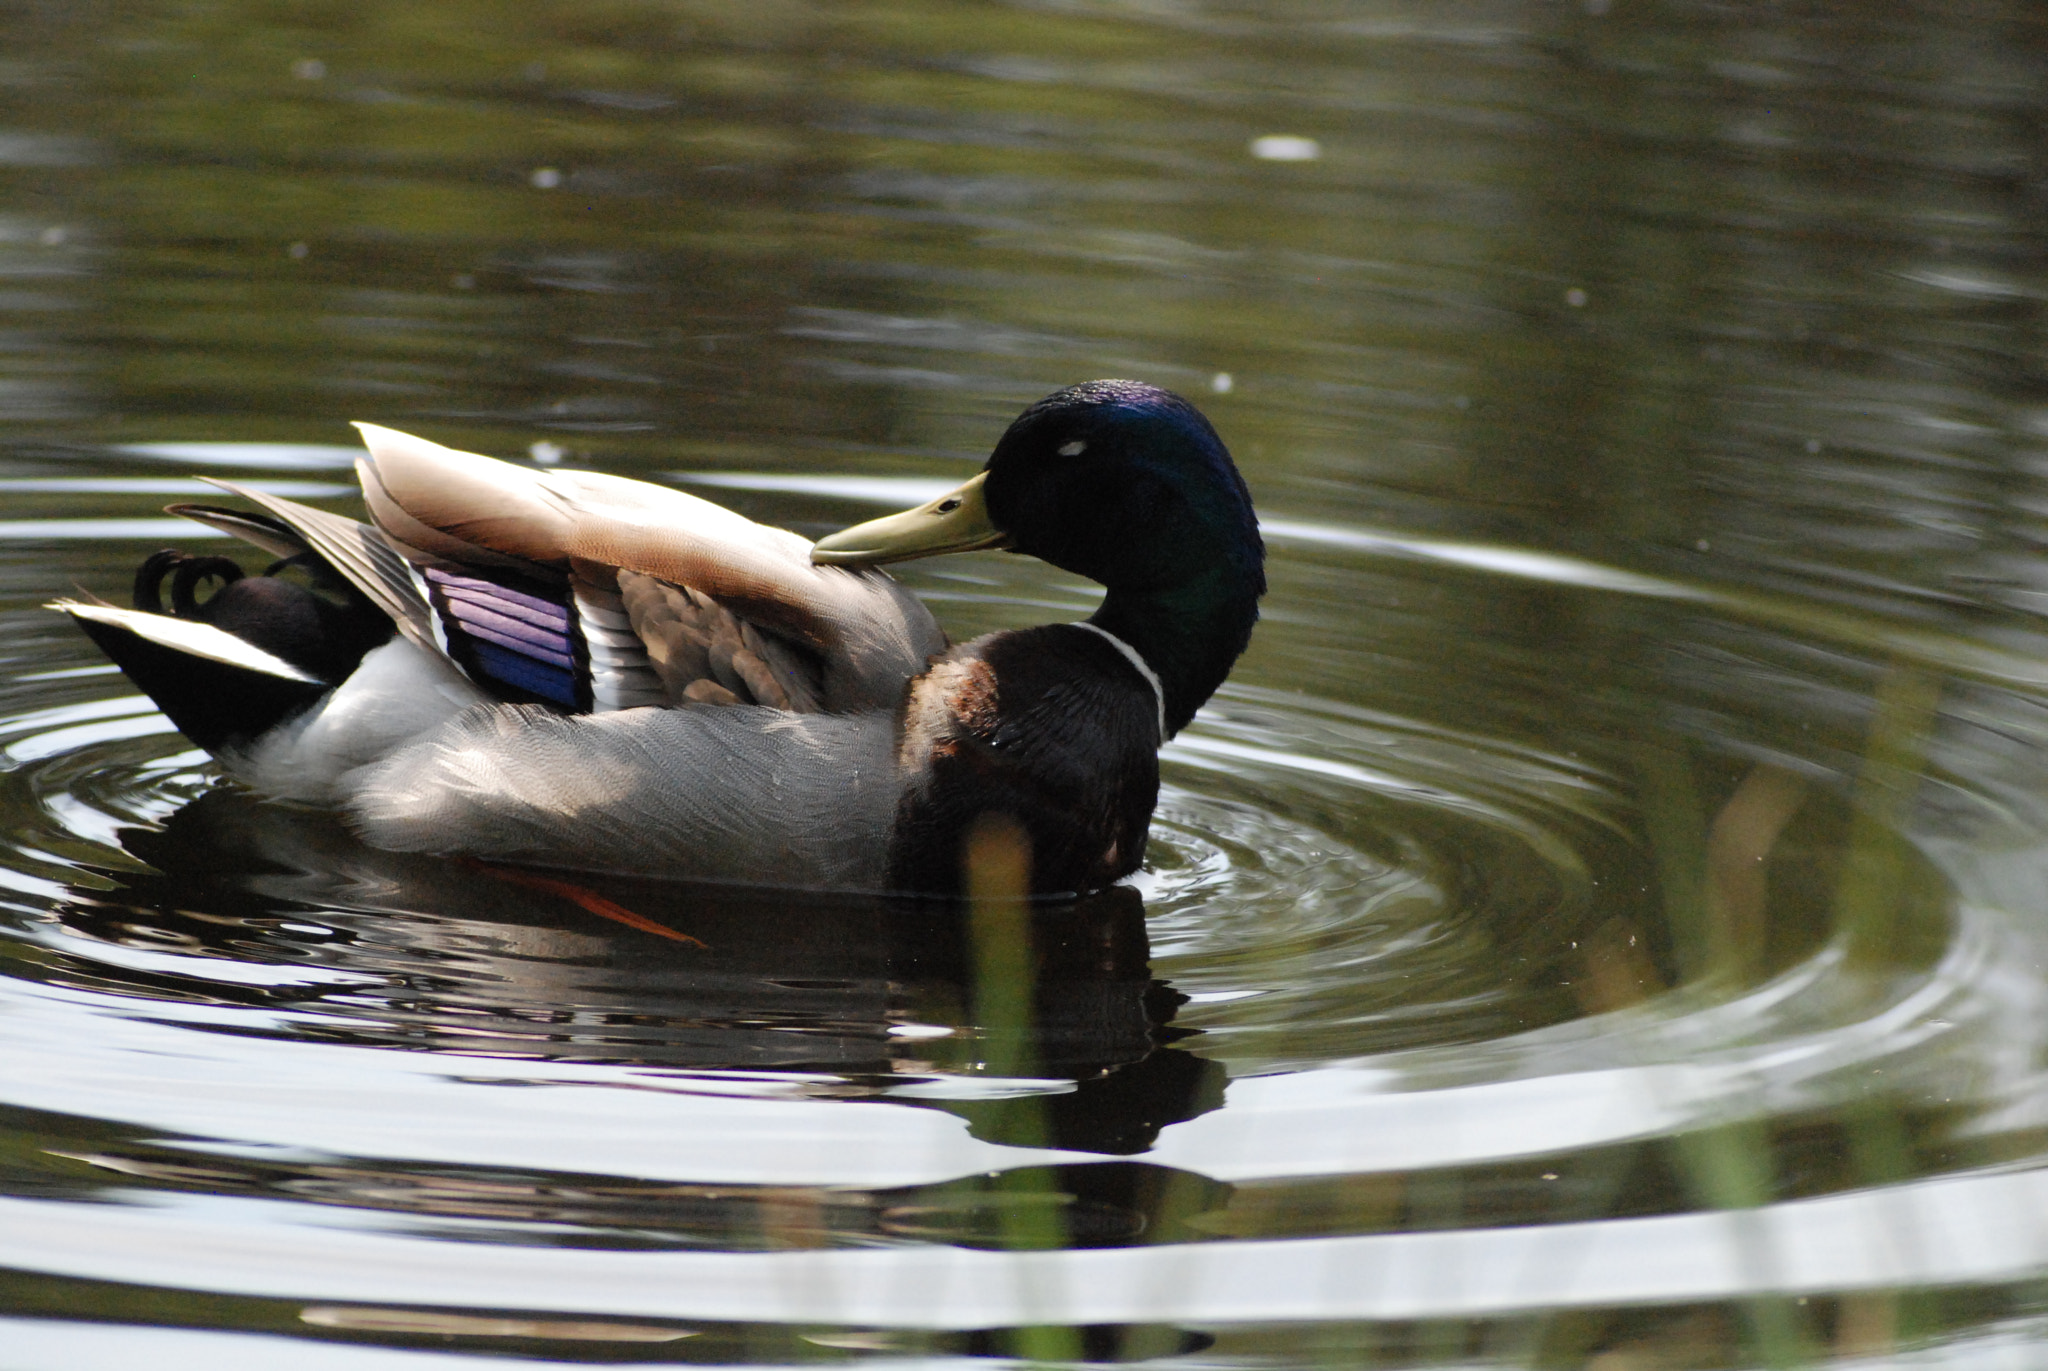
(660, 596)
(525, 633)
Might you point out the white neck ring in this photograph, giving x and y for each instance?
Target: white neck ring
(1144, 668)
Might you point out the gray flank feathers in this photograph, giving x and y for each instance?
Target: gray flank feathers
(738, 793)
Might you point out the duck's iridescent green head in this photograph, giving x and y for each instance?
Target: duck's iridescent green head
(1118, 481)
(1126, 484)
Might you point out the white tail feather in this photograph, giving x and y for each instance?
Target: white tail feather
(190, 637)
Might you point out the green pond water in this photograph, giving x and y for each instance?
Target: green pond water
(1602, 923)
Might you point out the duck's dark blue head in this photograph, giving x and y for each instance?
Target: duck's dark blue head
(1128, 485)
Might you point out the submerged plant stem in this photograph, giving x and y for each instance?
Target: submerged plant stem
(1874, 863)
(1739, 845)
(1677, 836)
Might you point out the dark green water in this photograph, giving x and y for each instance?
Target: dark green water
(1604, 921)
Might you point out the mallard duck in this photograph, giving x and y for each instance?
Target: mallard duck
(575, 670)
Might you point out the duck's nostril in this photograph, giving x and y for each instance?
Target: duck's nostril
(948, 507)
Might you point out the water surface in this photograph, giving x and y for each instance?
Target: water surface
(1599, 924)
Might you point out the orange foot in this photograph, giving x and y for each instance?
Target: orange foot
(581, 896)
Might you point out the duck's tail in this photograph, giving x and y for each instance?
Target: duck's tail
(258, 651)
(221, 690)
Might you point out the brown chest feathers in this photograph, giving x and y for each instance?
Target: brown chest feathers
(1049, 726)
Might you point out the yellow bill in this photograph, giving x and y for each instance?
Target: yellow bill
(955, 522)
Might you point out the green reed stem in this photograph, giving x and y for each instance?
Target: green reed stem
(1674, 824)
(1028, 1204)
(999, 932)
(1881, 1153)
(1729, 1167)
(1869, 900)
(1868, 895)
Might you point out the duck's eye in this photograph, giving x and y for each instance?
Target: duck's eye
(948, 506)
(1074, 449)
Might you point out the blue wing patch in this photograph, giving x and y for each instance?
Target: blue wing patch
(520, 640)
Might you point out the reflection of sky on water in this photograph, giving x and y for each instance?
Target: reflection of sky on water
(319, 1099)
(1952, 1231)
(54, 1345)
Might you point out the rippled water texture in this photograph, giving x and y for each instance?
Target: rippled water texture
(1603, 922)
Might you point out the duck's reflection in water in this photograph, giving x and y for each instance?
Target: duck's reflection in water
(756, 992)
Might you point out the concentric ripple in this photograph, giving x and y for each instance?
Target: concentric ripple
(73, 775)
(1355, 881)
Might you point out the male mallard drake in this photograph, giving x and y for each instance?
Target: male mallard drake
(576, 670)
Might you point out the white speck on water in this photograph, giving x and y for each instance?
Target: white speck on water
(309, 69)
(920, 1030)
(298, 251)
(1286, 147)
(547, 453)
(1222, 383)
(545, 178)
(1575, 297)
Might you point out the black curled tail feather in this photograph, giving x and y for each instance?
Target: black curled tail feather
(185, 573)
(324, 628)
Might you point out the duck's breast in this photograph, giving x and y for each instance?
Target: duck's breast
(1050, 727)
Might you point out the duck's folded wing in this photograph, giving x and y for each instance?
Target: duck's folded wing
(691, 577)
(538, 638)
(592, 639)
